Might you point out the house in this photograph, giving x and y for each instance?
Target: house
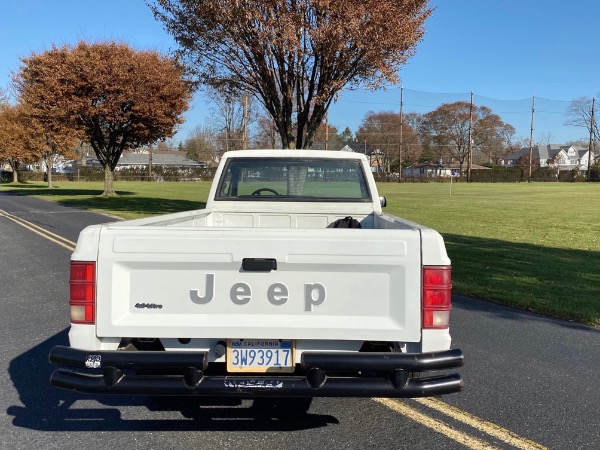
(375, 155)
(443, 170)
(165, 159)
(159, 159)
(345, 146)
(565, 157)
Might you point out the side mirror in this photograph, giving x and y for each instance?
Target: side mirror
(383, 202)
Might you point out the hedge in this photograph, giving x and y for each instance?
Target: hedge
(500, 175)
(137, 174)
(494, 175)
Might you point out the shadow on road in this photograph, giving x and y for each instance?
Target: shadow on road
(125, 201)
(514, 314)
(46, 408)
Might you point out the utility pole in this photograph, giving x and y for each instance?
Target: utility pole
(591, 147)
(150, 163)
(245, 132)
(470, 143)
(401, 130)
(327, 130)
(531, 140)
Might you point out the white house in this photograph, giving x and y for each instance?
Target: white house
(565, 157)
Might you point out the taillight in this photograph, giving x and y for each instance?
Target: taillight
(83, 292)
(437, 293)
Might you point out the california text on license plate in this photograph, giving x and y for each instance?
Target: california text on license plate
(260, 355)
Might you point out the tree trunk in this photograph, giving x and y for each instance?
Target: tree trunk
(109, 190)
(49, 171)
(15, 176)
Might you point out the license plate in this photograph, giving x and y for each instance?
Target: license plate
(260, 355)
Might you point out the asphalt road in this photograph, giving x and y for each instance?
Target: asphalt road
(530, 382)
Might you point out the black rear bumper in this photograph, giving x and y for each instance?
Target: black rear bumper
(323, 374)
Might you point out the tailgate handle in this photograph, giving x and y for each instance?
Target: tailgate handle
(259, 264)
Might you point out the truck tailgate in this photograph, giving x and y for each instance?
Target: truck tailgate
(159, 282)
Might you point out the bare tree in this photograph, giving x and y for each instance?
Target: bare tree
(294, 55)
(266, 135)
(546, 138)
(232, 112)
(202, 145)
(579, 114)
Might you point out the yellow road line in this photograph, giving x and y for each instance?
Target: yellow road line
(20, 219)
(436, 425)
(69, 245)
(482, 425)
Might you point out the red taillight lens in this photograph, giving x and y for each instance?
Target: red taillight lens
(437, 292)
(83, 292)
(434, 276)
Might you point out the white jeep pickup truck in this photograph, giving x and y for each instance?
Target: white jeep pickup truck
(290, 283)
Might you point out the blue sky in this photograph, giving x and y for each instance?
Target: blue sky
(505, 51)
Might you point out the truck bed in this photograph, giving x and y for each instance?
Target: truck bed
(272, 219)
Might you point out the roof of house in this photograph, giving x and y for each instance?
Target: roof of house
(331, 145)
(171, 158)
(346, 146)
(544, 152)
(358, 147)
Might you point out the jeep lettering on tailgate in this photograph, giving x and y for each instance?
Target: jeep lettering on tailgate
(277, 293)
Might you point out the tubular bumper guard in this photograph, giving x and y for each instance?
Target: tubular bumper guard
(325, 374)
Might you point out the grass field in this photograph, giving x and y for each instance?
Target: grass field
(534, 246)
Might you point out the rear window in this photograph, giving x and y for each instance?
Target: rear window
(285, 179)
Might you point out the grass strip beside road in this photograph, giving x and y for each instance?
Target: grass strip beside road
(534, 246)
(134, 200)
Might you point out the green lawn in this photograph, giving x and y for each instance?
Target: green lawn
(535, 246)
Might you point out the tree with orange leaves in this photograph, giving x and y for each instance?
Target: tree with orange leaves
(382, 131)
(17, 144)
(52, 139)
(449, 127)
(294, 56)
(114, 97)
